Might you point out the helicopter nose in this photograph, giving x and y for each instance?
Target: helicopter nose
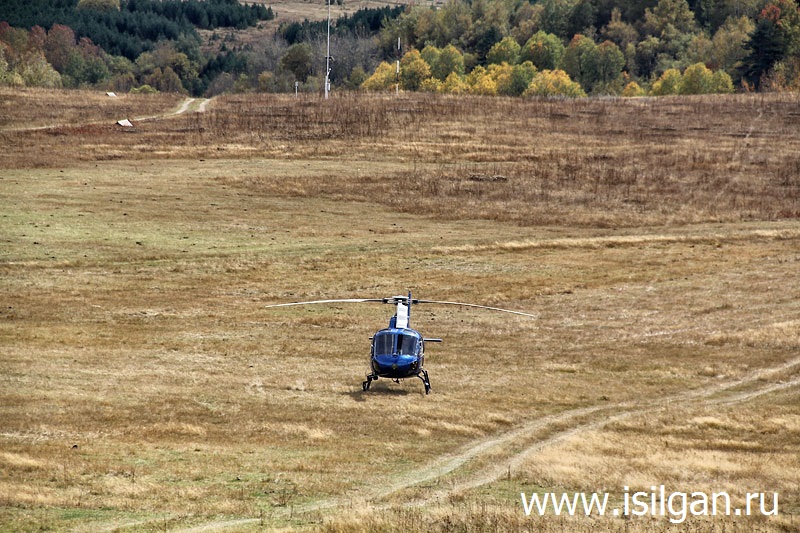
(396, 365)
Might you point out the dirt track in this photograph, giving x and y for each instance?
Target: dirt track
(534, 436)
(197, 105)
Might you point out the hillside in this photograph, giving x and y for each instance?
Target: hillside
(492, 47)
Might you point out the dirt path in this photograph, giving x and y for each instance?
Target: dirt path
(700, 235)
(198, 105)
(715, 395)
(534, 436)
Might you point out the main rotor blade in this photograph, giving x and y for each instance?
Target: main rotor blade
(476, 306)
(395, 299)
(344, 301)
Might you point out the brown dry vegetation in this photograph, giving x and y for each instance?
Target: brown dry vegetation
(38, 108)
(292, 10)
(144, 387)
(289, 11)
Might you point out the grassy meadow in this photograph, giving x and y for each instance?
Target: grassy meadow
(145, 387)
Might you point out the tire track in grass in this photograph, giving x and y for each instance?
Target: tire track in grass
(544, 432)
(188, 104)
(704, 395)
(432, 471)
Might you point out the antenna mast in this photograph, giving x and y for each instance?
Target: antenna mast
(397, 73)
(328, 55)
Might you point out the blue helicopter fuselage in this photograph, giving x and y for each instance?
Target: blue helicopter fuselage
(397, 353)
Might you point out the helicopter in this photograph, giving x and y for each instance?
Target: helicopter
(398, 351)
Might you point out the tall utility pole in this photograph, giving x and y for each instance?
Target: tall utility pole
(328, 55)
(397, 72)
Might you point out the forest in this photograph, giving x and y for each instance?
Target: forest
(491, 47)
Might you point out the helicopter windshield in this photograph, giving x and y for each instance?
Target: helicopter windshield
(385, 344)
(406, 344)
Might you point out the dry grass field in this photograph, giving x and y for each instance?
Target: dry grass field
(299, 10)
(144, 386)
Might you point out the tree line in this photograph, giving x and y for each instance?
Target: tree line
(130, 27)
(576, 47)
(503, 47)
(118, 44)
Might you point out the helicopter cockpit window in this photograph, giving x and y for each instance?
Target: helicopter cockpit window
(406, 344)
(383, 344)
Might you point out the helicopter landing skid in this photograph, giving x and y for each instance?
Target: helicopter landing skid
(423, 375)
(370, 378)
